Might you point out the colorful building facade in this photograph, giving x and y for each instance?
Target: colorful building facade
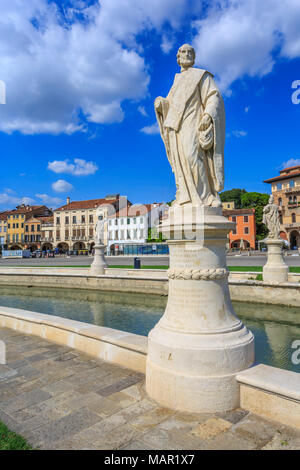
(286, 191)
(3, 230)
(17, 221)
(74, 223)
(244, 234)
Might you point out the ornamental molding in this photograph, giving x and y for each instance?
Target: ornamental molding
(198, 274)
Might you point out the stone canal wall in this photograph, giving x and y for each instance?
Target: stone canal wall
(243, 286)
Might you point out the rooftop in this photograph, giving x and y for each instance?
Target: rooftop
(89, 204)
(25, 209)
(285, 174)
(244, 211)
(137, 209)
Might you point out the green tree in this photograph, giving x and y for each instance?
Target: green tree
(258, 201)
(154, 236)
(233, 195)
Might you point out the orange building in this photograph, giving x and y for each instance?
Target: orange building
(245, 228)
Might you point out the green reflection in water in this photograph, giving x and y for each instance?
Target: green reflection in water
(275, 327)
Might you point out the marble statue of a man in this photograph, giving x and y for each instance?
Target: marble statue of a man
(271, 219)
(192, 125)
(99, 228)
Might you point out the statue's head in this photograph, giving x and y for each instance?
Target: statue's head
(186, 56)
(271, 199)
(99, 213)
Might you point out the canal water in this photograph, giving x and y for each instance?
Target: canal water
(275, 327)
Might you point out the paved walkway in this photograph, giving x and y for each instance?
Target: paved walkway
(58, 398)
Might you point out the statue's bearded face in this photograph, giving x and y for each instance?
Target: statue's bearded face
(186, 56)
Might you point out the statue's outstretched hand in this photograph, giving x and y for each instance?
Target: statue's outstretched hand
(205, 122)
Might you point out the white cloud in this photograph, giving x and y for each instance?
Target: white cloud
(151, 130)
(237, 38)
(80, 167)
(239, 133)
(64, 72)
(49, 200)
(62, 186)
(9, 202)
(9, 191)
(167, 43)
(86, 63)
(247, 109)
(142, 111)
(290, 162)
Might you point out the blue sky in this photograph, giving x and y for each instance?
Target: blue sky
(81, 78)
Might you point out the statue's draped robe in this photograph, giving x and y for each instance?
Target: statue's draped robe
(271, 220)
(198, 169)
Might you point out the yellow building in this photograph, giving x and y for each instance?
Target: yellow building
(230, 205)
(3, 229)
(16, 222)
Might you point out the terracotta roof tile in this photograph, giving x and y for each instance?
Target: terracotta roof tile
(245, 211)
(136, 210)
(25, 210)
(282, 177)
(90, 204)
(295, 167)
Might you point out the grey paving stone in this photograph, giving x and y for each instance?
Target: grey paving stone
(64, 427)
(256, 429)
(230, 441)
(8, 374)
(118, 437)
(10, 422)
(62, 399)
(17, 364)
(136, 445)
(147, 420)
(24, 400)
(119, 385)
(233, 416)
(35, 358)
(57, 387)
(160, 439)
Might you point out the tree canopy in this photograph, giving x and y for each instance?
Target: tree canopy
(233, 195)
(244, 199)
(258, 201)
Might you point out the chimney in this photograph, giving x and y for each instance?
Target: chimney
(68, 200)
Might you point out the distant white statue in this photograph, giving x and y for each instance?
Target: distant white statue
(99, 228)
(271, 219)
(192, 125)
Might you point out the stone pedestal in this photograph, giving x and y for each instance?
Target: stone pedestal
(275, 269)
(199, 345)
(99, 264)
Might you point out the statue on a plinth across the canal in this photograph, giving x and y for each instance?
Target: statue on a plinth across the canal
(271, 219)
(100, 227)
(192, 125)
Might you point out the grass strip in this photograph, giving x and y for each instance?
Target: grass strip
(11, 441)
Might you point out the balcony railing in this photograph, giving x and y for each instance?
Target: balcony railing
(292, 190)
(293, 225)
(47, 239)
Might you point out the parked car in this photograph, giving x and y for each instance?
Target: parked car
(72, 252)
(83, 252)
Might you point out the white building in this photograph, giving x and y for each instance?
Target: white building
(131, 225)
